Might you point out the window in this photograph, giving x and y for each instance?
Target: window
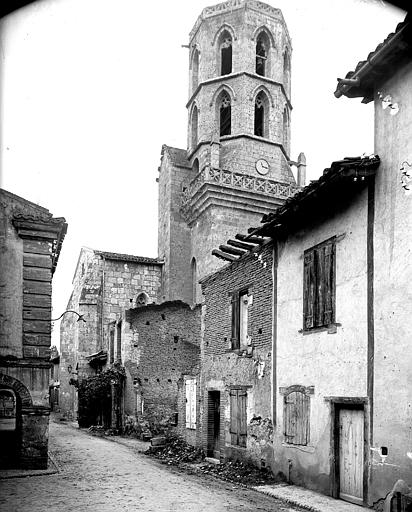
(261, 105)
(111, 344)
(262, 46)
(225, 114)
(142, 299)
(195, 166)
(194, 279)
(194, 126)
(238, 419)
(286, 68)
(240, 304)
(119, 342)
(296, 414)
(285, 128)
(319, 285)
(195, 70)
(225, 47)
(190, 403)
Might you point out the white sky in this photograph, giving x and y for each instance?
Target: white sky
(89, 94)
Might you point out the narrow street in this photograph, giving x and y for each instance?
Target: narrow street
(97, 474)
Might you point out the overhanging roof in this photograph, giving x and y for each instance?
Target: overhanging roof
(380, 64)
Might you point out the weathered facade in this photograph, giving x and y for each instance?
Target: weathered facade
(236, 414)
(30, 243)
(161, 351)
(104, 285)
(388, 84)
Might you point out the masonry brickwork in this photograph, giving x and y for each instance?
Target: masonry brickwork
(162, 345)
(104, 285)
(224, 367)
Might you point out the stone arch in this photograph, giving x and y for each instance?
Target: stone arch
(261, 115)
(194, 125)
(142, 299)
(264, 28)
(223, 108)
(225, 27)
(260, 88)
(194, 67)
(18, 387)
(223, 87)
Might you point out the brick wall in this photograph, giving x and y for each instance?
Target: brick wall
(223, 367)
(166, 345)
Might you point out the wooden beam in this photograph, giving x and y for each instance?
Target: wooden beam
(224, 256)
(241, 245)
(232, 250)
(250, 239)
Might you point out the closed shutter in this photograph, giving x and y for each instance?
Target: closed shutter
(308, 290)
(329, 284)
(320, 285)
(235, 320)
(296, 418)
(234, 417)
(190, 403)
(242, 422)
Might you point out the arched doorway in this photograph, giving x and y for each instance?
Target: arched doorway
(10, 428)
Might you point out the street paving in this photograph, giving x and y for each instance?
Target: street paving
(96, 474)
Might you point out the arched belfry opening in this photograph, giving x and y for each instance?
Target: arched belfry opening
(261, 128)
(225, 53)
(194, 126)
(285, 134)
(193, 268)
(195, 69)
(286, 68)
(195, 166)
(225, 114)
(262, 54)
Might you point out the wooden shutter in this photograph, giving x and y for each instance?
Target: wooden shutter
(235, 320)
(320, 285)
(234, 417)
(190, 403)
(296, 418)
(329, 284)
(308, 290)
(242, 419)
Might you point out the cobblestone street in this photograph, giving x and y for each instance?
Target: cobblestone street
(99, 475)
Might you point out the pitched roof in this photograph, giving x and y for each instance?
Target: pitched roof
(129, 257)
(177, 156)
(338, 183)
(380, 64)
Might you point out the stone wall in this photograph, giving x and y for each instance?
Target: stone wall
(222, 367)
(166, 345)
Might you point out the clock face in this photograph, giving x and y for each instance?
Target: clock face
(262, 166)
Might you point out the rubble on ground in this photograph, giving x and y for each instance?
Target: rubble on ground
(239, 473)
(176, 451)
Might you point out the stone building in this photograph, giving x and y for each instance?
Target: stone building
(161, 352)
(237, 163)
(30, 244)
(104, 285)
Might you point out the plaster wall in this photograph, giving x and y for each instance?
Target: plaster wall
(334, 363)
(392, 411)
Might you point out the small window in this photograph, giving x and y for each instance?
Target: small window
(195, 166)
(260, 115)
(111, 344)
(194, 279)
(194, 126)
(225, 53)
(190, 385)
(195, 70)
(225, 114)
(296, 410)
(286, 68)
(261, 55)
(119, 342)
(142, 299)
(238, 418)
(319, 286)
(240, 304)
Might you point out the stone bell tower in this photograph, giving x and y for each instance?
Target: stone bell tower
(236, 167)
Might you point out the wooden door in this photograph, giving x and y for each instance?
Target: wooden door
(351, 454)
(213, 444)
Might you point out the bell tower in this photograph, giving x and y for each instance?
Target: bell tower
(238, 144)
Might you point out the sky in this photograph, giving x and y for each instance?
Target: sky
(90, 93)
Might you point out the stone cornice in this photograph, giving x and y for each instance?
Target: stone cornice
(231, 76)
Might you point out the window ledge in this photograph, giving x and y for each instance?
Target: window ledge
(330, 329)
(239, 352)
(302, 447)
